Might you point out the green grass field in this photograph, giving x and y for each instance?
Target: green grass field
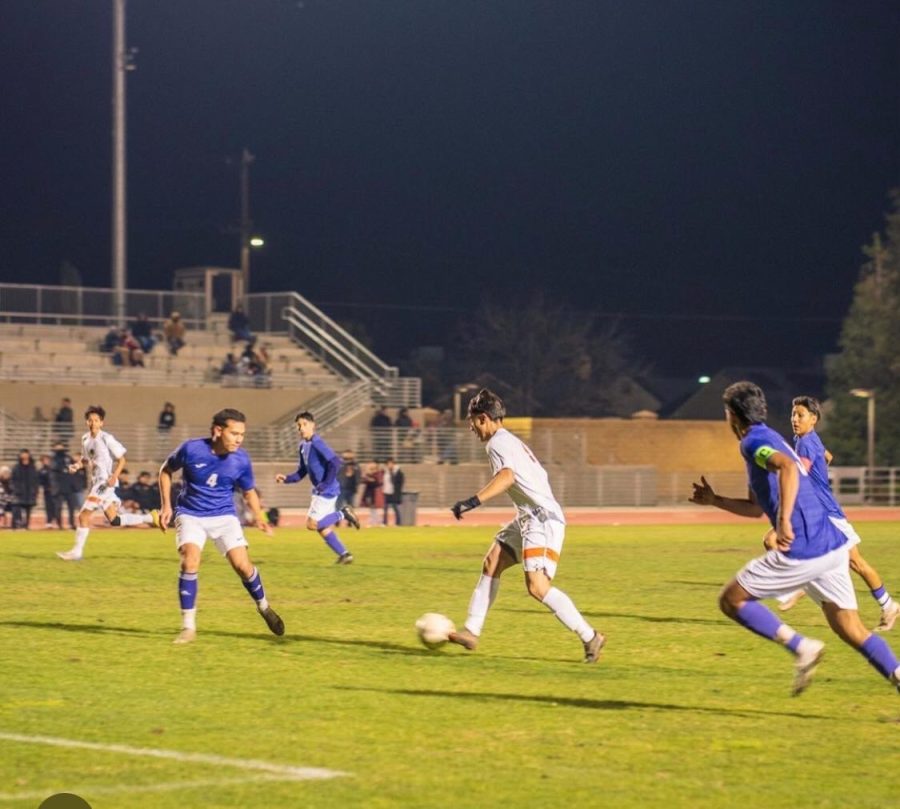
(684, 709)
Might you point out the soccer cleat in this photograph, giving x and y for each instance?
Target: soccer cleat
(888, 618)
(593, 646)
(895, 680)
(791, 601)
(464, 638)
(809, 655)
(350, 516)
(273, 621)
(69, 556)
(344, 559)
(186, 636)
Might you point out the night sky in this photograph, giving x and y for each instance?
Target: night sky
(708, 169)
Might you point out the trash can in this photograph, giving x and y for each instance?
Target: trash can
(408, 501)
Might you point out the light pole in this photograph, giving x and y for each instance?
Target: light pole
(869, 395)
(246, 223)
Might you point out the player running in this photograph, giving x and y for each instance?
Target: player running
(811, 551)
(322, 464)
(103, 459)
(211, 469)
(805, 414)
(534, 538)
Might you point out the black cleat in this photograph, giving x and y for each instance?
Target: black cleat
(350, 516)
(344, 559)
(593, 647)
(273, 621)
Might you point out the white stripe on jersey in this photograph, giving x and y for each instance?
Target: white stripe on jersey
(531, 490)
(101, 452)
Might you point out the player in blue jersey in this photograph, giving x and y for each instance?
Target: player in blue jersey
(321, 464)
(805, 414)
(810, 550)
(211, 469)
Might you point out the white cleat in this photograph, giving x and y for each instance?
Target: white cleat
(69, 556)
(791, 601)
(888, 618)
(809, 655)
(186, 636)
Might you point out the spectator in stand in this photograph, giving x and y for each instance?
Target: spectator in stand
(129, 352)
(68, 487)
(63, 420)
(174, 333)
(373, 492)
(381, 433)
(166, 418)
(230, 366)
(393, 490)
(51, 502)
(112, 339)
(143, 496)
(446, 440)
(348, 478)
(406, 436)
(24, 489)
(239, 325)
(142, 331)
(6, 496)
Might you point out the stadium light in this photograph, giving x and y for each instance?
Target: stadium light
(869, 395)
(704, 380)
(257, 241)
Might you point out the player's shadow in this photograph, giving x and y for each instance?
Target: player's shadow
(589, 704)
(90, 629)
(652, 619)
(289, 638)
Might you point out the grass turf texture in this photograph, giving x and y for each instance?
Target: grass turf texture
(684, 708)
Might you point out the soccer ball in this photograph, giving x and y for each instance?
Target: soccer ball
(434, 629)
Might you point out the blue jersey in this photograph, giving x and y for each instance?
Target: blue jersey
(814, 534)
(321, 463)
(209, 479)
(810, 446)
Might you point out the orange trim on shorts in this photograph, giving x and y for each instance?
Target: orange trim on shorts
(548, 552)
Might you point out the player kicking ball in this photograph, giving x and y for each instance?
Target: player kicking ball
(811, 552)
(534, 539)
(321, 464)
(211, 469)
(103, 459)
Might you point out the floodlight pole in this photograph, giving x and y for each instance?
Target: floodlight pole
(120, 64)
(246, 224)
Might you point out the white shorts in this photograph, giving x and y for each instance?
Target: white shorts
(100, 498)
(320, 507)
(825, 578)
(225, 531)
(536, 543)
(847, 530)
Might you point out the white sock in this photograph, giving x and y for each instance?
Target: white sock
(482, 597)
(568, 614)
(189, 619)
(888, 604)
(81, 535)
(263, 604)
(135, 519)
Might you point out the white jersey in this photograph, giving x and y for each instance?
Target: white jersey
(101, 453)
(531, 490)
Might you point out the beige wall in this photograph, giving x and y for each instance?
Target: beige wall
(125, 404)
(670, 446)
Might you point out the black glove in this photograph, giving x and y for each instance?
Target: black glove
(462, 506)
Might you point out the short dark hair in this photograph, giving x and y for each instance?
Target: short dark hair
(306, 416)
(811, 403)
(489, 403)
(747, 401)
(222, 418)
(95, 409)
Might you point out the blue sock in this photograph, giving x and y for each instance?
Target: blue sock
(880, 655)
(254, 586)
(331, 519)
(332, 541)
(794, 642)
(759, 619)
(880, 595)
(187, 590)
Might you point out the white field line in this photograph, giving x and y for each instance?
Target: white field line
(279, 772)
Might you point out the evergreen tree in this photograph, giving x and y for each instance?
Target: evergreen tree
(870, 355)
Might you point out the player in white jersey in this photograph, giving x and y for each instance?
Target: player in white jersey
(534, 538)
(103, 457)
